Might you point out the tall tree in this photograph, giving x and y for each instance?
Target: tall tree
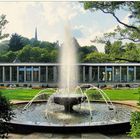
(16, 43)
(3, 22)
(130, 30)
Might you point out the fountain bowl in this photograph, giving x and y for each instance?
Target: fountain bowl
(69, 100)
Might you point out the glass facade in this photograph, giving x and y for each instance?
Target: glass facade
(21, 74)
(7, 73)
(117, 74)
(29, 74)
(14, 73)
(102, 74)
(124, 74)
(109, 74)
(43, 74)
(94, 74)
(56, 73)
(86, 73)
(130, 74)
(50, 74)
(36, 74)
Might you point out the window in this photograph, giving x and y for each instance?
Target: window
(130, 74)
(7, 73)
(117, 74)
(14, 73)
(28, 74)
(86, 73)
(43, 74)
(124, 74)
(50, 73)
(21, 74)
(35, 74)
(102, 74)
(94, 74)
(109, 74)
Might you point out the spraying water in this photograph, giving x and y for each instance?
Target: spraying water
(68, 60)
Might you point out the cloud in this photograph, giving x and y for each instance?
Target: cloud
(50, 18)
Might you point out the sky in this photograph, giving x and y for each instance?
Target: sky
(50, 19)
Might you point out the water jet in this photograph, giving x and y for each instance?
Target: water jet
(68, 109)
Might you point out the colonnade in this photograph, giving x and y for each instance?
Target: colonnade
(87, 73)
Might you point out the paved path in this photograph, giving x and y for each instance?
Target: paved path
(67, 136)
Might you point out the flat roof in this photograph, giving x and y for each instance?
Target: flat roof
(81, 64)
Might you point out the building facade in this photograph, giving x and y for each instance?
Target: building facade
(48, 73)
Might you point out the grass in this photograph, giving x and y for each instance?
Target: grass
(21, 94)
(27, 94)
(125, 94)
(121, 94)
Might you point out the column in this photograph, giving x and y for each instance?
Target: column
(83, 74)
(90, 73)
(47, 74)
(32, 74)
(3, 74)
(98, 73)
(17, 74)
(24, 73)
(120, 74)
(127, 78)
(54, 73)
(39, 74)
(10, 74)
(112, 73)
(105, 74)
(134, 73)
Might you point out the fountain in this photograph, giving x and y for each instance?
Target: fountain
(68, 109)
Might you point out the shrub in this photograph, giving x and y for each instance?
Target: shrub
(139, 96)
(127, 85)
(135, 125)
(120, 85)
(95, 95)
(6, 115)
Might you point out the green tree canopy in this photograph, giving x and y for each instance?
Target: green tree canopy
(16, 42)
(131, 30)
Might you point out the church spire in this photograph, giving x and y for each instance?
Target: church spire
(36, 33)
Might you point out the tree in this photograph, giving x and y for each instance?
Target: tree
(96, 57)
(3, 22)
(6, 114)
(4, 46)
(130, 31)
(34, 42)
(15, 42)
(37, 54)
(84, 51)
(29, 54)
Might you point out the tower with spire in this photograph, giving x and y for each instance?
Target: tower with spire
(36, 34)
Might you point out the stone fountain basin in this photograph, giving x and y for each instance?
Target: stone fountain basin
(26, 124)
(69, 99)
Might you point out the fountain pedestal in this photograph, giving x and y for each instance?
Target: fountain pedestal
(69, 100)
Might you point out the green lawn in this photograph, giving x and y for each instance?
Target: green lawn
(21, 94)
(123, 94)
(27, 94)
